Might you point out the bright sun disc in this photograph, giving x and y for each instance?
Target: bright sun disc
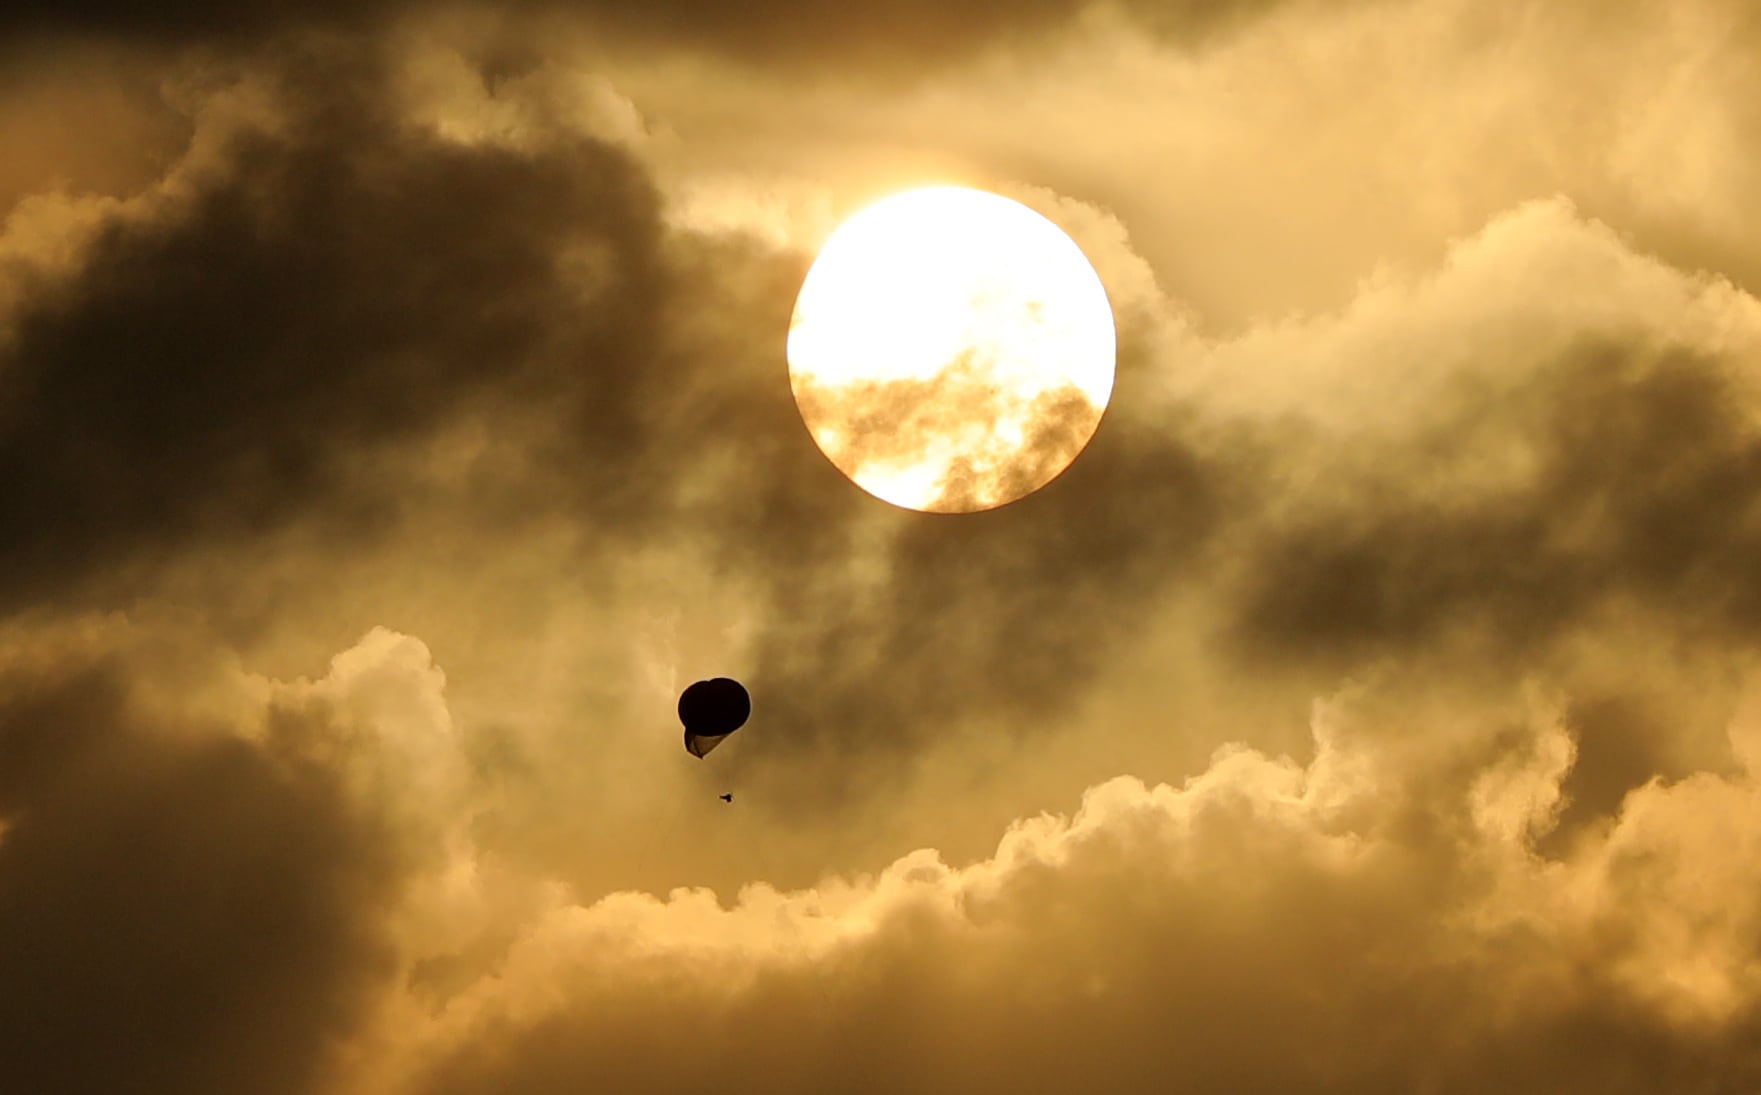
(951, 350)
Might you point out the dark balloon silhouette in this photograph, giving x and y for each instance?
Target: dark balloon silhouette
(711, 710)
(729, 797)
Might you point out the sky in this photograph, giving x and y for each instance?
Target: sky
(394, 418)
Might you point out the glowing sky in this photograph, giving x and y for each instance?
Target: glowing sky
(394, 417)
(951, 350)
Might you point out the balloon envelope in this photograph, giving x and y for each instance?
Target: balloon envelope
(711, 710)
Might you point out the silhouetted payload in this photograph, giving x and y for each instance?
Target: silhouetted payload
(711, 710)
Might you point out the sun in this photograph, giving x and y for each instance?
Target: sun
(951, 350)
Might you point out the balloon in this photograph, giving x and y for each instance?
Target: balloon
(711, 710)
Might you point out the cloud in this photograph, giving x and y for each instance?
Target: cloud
(292, 870)
(337, 331)
(1551, 425)
(405, 332)
(331, 331)
(231, 350)
(1266, 926)
(889, 39)
(485, 346)
(205, 883)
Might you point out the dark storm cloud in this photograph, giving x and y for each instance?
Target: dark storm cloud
(180, 910)
(276, 348)
(1646, 465)
(891, 36)
(189, 21)
(1621, 746)
(220, 363)
(1001, 615)
(346, 287)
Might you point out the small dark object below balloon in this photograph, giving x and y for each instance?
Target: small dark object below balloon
(711, 710)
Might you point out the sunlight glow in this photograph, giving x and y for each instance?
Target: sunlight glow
(951, 350)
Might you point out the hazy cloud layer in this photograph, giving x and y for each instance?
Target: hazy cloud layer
(1396, 633)
(888, 39)
(297, 330)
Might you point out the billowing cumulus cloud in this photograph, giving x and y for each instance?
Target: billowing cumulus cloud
(1265, 926)
(315, 834)
(1577, 429)
(393, 419)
